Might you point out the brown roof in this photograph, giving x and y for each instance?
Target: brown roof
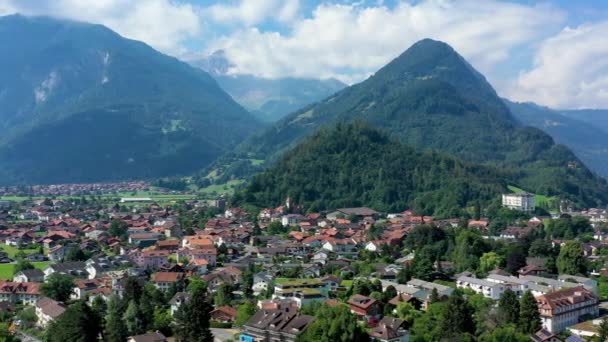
(388, 328)
(168, 277)
(149, 337)
(50, 307)
(565, 298)
(360, 301)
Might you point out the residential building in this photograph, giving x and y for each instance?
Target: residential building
(223, 314)
(25, 293)
(364, 306)
(27, 276)
(48, 310)
(521, 201)
(562, 309)
(165, 280)
(283, 324)
(487, 288)
(389, 329)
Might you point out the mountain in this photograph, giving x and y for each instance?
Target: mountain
(80, 103)
(430, 97)
(356, 165)
(268, 99)
(596, 117)
(587, 141)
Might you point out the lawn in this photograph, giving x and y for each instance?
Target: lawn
(12, 251)
(7, 270)
(227, 188)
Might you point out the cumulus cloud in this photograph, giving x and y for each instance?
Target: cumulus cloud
(570, 70)
(251, 12)
(351, 41)
(164, 24)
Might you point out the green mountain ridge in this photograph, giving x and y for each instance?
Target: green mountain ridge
(430, 97)
(80, 103)
(356, 165)
(588, 142)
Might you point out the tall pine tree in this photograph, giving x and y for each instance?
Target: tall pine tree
(508, 307)
(529, 317)
(192, 318)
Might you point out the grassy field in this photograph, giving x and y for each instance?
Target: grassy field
(12, 251)
(227, 188)
(7, 270)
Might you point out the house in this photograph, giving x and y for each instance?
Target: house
(149, 337)
(154, 259)
(57, 253)
(75, 269)
(100, 265)
(283, 324)
(261, 281)
(291, 219)
(165, 280)
(514, 233)
(26, 293)
(144, 239)
(226, 275)
(224, 314)
(442, 290)
(522, 201)
(389, 329)
(198, 266)
(48, 310)
(360, 213)
(178, 299)
(340, 246)
(364, 306)
(543, 335)
(563, 308)
(27, 276)
(405, 298)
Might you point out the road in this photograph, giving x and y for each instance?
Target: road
(224, 334)
(27, 338)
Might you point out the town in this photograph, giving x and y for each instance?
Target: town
(286, 274)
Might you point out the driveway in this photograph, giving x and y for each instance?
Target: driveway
(224, 334)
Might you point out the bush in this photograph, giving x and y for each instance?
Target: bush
(220, 325)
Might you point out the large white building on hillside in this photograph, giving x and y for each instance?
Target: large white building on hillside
(522, 201)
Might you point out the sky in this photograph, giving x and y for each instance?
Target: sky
(550, 52)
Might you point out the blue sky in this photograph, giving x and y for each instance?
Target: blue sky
(550, 52)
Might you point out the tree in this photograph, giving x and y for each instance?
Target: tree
(571, 259)
(133, 319)
(529, 317)
(540, 248)
(469, 248)
(434, 296)
(603, 330)
(515, 260)
(223, 296)
(5, 334)
(244, 312)
(115, 330)
(489, 261)
(407, 312)
(77, 324)
(192, 318)
(118, 228)
(75, 254)
(506, 333)
(389, 293)
(133, 290)
(162, 321)
(23, 265)
(508, 307)
(333, 324)
(58, 287)
(457, 319)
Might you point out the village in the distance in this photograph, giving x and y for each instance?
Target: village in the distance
(267, 272)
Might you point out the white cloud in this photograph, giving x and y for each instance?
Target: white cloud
(570, 70)
(350, 41)
(251, 12)
(164, 24)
